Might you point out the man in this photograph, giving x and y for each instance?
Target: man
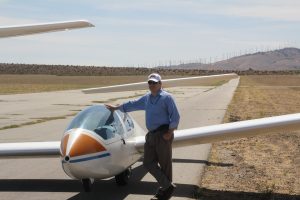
(162, 118)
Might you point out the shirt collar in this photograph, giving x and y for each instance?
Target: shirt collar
(158, 93)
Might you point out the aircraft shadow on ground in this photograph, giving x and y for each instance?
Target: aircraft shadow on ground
(180, 160)
(101, 189)
(107, 189)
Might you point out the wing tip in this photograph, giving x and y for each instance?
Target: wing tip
(86, 22)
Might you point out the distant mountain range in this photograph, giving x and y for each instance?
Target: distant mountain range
(282, 59)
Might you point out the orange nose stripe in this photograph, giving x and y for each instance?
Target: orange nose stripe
(85, 144)
(63, 145)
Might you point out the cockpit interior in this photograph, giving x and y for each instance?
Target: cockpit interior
(103, 122)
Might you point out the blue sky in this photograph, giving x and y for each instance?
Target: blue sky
(149, 33)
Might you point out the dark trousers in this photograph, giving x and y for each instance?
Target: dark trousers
(159, 151)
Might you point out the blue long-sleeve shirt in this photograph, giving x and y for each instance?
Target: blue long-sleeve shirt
(160, 109)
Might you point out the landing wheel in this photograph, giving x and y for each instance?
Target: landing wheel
(123, 178)
(87, 184)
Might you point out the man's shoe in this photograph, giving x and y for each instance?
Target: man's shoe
(158, 195)
(167, 193)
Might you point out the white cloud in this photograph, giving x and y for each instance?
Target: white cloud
(268, 9)
(286, 13)
(8, 21)
(133, 22)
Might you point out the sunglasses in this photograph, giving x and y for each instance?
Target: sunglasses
(152, 83)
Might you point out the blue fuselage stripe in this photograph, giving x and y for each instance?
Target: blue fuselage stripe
(90, 158)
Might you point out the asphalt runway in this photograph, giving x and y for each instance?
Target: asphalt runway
(43, 178)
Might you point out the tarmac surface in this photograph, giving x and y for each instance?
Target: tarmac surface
(43, 178)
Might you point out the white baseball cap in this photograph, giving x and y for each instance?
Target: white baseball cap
(154, 77)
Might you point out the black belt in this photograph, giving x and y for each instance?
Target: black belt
(162, 128)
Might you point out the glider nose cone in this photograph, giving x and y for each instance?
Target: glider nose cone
(81, 152)
(84, 144)
(78, 143)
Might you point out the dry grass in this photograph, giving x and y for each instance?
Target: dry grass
(265, 167)
(15, 84)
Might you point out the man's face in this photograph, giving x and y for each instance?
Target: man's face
(154, 87)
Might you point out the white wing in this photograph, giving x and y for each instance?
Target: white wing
(185, 137)
(30, 149)
(220, 132)
(11, 31)
(166, 83)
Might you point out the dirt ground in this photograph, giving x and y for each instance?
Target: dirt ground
(265, 167)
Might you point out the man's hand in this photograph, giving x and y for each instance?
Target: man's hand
(167, 136)
(112, 108)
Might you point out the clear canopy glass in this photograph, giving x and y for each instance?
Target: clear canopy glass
(99, 120)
